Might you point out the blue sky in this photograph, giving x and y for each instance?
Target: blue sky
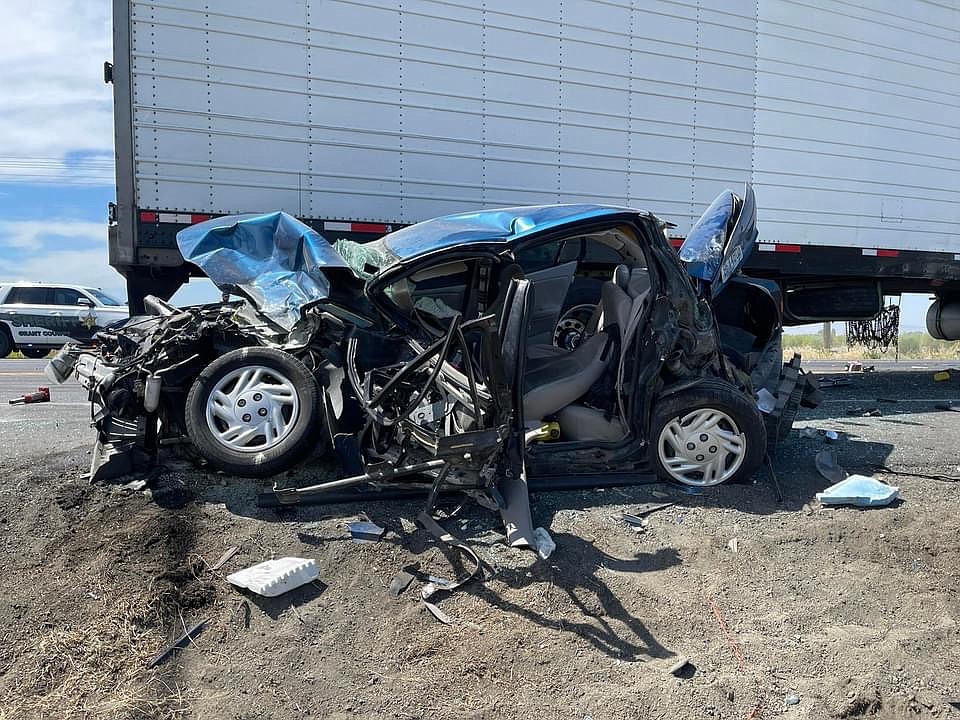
(56, 150)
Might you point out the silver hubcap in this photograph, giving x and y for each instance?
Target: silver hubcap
(703, 447)
(252, 409)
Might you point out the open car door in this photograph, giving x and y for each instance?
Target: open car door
(720, 242)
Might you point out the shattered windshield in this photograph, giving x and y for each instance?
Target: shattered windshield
(274, 260)
(365, 259)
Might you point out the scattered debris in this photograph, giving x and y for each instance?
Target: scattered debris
(766, 402)
(365, 532)
(859, 490)
(225, 558)
(831, 436)
(41, 395)
(834, 382)
(827, 466)
(275, 577)
(401, 581)
(733, 545)
(645, 510)
(912, 473)
(178, 644)
(941, 376)
(857, 366)
(678, 667)
(437, 584)
(544, 543)
(865, 412)
(791, 699)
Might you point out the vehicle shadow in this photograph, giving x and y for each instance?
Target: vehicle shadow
(604, 620)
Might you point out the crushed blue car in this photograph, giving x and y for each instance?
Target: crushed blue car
(486, 353)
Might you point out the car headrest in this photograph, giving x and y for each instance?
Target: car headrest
(621, 276)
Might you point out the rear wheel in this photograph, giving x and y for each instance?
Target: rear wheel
(254, 411)
(34, 353)
(707, 435)
(6, 344)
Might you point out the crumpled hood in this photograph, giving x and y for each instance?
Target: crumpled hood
(274, 260)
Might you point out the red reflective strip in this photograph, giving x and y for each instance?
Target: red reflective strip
(677, 241)
(146, 216)
(887, 253)
(788, 248)
(194, 219)
(368, 227)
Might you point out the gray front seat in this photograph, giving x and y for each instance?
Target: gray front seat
(550, 384)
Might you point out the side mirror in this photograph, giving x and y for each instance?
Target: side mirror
(86, 302)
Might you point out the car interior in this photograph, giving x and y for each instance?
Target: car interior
(590, 292)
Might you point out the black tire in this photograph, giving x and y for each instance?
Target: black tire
(712, 395)
(6, 344)
(290, 448)
(34, 353)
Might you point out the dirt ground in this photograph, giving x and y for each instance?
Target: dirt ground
(853, 613)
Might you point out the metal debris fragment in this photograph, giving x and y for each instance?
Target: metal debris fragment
(365, 532)
(226, 557)
(178, 644)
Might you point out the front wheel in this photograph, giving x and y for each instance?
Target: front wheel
(707, 435)
(254, 411)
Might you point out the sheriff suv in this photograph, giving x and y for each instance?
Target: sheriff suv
(36, 318)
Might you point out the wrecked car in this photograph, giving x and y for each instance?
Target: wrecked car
(482, 352)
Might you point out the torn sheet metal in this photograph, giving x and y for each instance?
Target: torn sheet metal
(437, 585)
(365, 532)
(274, 260)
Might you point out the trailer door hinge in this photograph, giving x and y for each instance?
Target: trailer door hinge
(108, 72)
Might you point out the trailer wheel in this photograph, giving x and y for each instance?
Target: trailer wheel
(707, 435)
(254, 411)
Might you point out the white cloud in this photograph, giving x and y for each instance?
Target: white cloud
(75, 267)
(32, 234)
(54, 97)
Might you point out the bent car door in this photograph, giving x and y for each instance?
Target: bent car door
(720, 242)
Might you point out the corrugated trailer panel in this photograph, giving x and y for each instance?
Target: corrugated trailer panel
(857, 140)
(845, 117)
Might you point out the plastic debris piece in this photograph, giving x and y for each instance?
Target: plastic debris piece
(178, 644)
(854, 366)
(766, 402)
(365, 532)
(859, 490)
(41, 395)
(734, 545)
(545, 543)
(791, 699)
(941, 376)
(826, 464)
(275, 577)
(831, 435)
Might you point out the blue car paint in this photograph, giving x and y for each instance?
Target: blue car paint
(488, 226)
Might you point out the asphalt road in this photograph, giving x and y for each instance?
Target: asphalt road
(911, 431)
(30, 431)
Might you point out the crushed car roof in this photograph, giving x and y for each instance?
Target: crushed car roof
(501, 225)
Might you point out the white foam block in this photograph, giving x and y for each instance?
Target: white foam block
(275, 577)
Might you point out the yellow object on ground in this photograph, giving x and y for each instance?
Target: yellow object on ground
(941, 376)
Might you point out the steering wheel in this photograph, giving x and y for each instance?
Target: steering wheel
(571, 328)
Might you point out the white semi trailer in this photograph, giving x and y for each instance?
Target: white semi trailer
(359, 116)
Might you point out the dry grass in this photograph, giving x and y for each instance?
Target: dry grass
(93, 671)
